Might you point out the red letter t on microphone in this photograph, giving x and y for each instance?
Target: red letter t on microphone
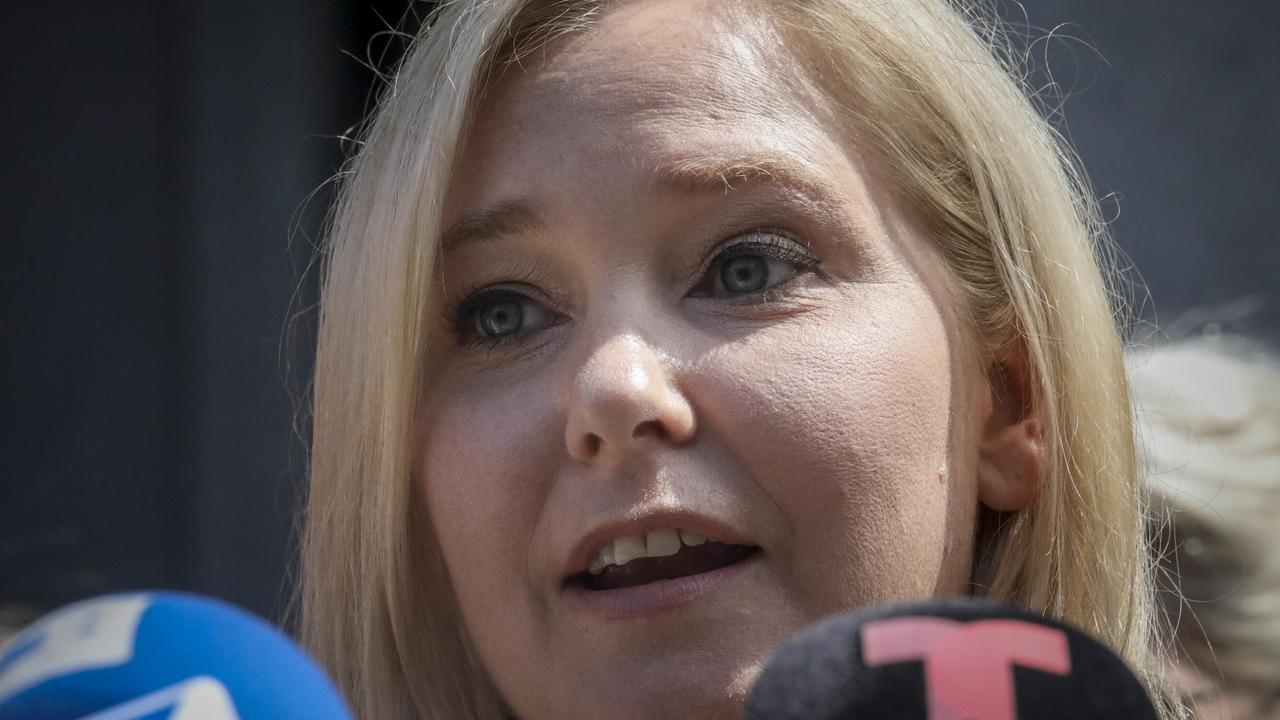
(968, 667)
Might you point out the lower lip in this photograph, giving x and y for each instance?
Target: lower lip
(653, 598)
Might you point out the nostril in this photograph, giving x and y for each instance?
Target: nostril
(593, 443)
(648, 428)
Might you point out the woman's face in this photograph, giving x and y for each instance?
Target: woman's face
(676, 302)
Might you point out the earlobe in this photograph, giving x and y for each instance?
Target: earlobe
(1011, 452)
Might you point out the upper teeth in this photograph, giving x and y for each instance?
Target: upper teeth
(659, 543)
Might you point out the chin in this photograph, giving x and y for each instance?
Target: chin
(709, 702)
(695, 687)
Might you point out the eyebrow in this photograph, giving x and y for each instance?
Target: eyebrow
(490, 223)
(691, 175)
(702, 175)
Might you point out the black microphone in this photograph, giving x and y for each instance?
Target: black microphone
(961, 659)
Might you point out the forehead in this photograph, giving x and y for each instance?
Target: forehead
(650, 81)
(667, 54)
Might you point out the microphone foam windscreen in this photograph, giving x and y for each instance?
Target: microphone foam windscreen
(961, 659)
(160, 655)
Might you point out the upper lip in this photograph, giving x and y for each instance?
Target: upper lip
(586, 548)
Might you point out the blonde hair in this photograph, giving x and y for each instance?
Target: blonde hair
(930, 86)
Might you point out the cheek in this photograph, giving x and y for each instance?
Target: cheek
(477, 470)
(844, 419)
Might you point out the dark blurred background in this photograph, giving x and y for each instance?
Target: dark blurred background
(157, 233)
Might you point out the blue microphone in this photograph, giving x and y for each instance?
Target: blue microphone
(160, 655)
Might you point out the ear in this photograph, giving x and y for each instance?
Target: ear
(1011, 452)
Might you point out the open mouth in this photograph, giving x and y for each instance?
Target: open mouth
(688, 560)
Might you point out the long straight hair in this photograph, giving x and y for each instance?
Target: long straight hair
(935, 88)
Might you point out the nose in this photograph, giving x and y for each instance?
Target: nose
(622, 396)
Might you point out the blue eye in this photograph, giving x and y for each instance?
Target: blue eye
(497, 316)
(757, 261)
(744, 273)
(500, 318)
(748, 266)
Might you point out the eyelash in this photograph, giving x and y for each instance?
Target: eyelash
(777, 244)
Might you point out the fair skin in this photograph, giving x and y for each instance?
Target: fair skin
(843, 431)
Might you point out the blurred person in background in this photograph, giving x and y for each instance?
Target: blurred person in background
(1208, 413)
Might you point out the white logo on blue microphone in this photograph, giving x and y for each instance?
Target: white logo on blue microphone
(86, 636)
